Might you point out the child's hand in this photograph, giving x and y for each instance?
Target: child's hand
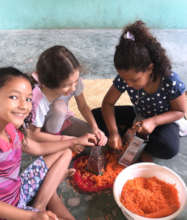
(102, 139)
(147, 126)
(87, 140)
(77, 149)
(115, 141)
(45, 215)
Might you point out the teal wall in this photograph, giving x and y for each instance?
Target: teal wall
(48, 14)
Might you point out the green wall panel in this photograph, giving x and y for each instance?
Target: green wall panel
(50, 14)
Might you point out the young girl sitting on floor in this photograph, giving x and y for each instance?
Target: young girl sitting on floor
(40, 180)
(57, 73)
(157, 93)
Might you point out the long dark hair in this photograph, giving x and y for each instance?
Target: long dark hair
(138, 48)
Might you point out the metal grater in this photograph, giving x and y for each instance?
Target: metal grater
(133, 151)
(96, 161)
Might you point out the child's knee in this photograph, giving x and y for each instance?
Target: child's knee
(65, 155)
(68, 154)
(172, 152)
(166, 151)
(171, 148)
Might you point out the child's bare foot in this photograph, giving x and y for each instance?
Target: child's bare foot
(146, 157)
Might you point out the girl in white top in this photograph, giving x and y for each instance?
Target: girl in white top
(57, 74)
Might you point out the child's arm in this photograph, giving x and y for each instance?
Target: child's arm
(85, 111)
(87, 114)
(36, 134)
(12, 213)
(177, 111)
(108, 103)
(44, 148)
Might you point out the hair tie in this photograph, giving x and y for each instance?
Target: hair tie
(129, 36)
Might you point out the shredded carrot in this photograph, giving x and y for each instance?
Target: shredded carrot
(90, 182)
(74, 154)
(150, 197)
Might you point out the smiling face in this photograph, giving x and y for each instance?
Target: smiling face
(68, 86)
(136, 80)
(16, 101)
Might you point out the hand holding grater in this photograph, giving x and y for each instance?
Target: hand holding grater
(134, 148)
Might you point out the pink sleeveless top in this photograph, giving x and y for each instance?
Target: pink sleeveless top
(10, 158)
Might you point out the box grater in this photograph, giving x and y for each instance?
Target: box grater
(134, 150)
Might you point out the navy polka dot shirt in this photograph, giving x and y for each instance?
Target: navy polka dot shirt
(148, 105)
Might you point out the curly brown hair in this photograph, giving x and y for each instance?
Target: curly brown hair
(140, 50)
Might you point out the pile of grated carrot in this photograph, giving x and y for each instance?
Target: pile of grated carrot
(89, 182)
(150, 197)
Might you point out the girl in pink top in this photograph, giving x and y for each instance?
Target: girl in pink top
(38, 183)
